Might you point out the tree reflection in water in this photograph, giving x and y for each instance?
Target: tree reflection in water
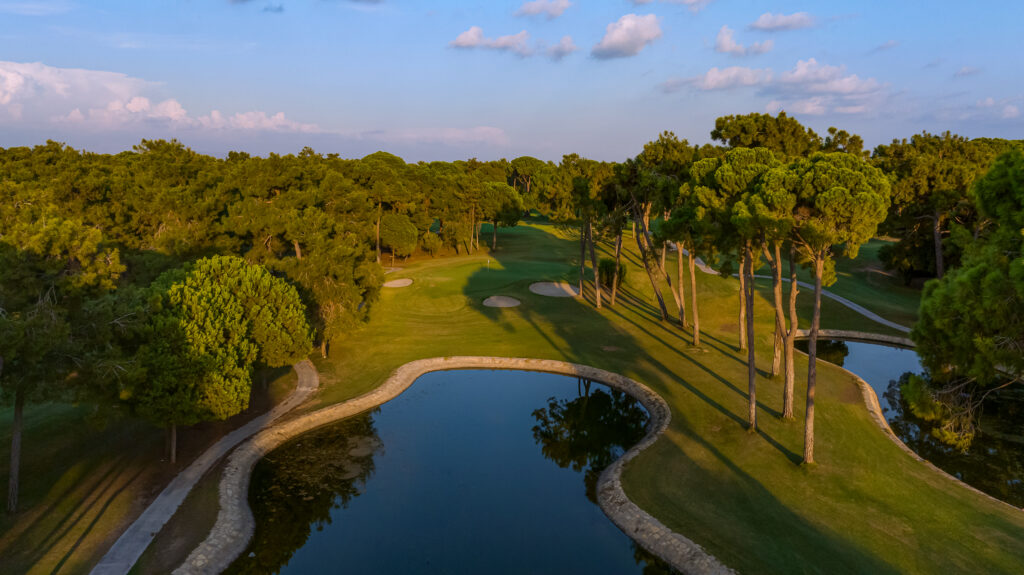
(587, 434)
(994, 463)
(294, 490)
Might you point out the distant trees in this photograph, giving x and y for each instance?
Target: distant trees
(933, 175)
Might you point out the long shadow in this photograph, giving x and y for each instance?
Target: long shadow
(573, 321)
(824, 551)
(99, 514)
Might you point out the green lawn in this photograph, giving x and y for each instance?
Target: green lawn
(863, 281)
(865, 507)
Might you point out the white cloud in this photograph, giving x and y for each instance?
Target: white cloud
(889, 45)
(1010, 112)
(627, 36)
(726, 44)
(811, 106)
(564, 47)
(987, 102)
(550, 8)
(449, 136)
(732, 77)
(37, 94)
(694, 5)
(966, 71)
(39, 8)
(810, 76)
(474, 38)
(809, 88)
(775, 22)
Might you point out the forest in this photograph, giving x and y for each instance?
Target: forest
(157, 282)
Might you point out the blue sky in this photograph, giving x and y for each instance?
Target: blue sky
(452, 80)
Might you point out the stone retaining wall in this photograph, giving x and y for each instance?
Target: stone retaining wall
(235, 524)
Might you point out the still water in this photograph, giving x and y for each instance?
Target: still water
(465, 472)
(994, 463)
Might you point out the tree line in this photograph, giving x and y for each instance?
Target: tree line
(155, 281)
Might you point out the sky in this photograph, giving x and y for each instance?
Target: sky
(447, 80)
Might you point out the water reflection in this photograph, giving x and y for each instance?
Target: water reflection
(448, 478)
(994, 463)
(295, 488)
(589, 432)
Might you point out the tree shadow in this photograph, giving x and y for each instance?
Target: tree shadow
(569, 325)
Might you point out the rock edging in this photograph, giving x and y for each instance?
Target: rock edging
(875, 410)
(235, 524)
(121, 557)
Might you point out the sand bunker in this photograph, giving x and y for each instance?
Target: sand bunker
(398, 283)
(554, 289)
(501, 301)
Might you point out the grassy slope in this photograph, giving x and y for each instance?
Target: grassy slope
(81, 484)
(865, 507)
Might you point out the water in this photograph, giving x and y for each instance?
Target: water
(994, 463)
(465, 472)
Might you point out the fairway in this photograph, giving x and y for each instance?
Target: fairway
(864, 507)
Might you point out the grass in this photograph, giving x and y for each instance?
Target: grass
(864, 507)
(863, 281)
(83, 483)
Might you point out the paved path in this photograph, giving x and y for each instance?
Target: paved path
(130, 545)
(842, 300)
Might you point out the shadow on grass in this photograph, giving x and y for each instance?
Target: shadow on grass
(575, 331)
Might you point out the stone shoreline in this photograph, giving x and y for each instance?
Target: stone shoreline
(235, 524)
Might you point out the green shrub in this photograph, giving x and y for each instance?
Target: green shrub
(606, 267)
(432, 243)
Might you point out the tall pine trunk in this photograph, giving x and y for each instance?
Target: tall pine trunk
(748, 297)
(583, 253)
(380, 214)
(812, 354)
(646, 232)
(693, 297)
(14, 475)
(174, 443)
(775, 263)
(743, 305)
(593, 263)
(790, 365)
(650, 274)
(615, 274)
(679, 284)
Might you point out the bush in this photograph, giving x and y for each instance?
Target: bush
(432, 243)
(606, 267)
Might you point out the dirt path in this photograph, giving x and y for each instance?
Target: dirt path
(120, 558)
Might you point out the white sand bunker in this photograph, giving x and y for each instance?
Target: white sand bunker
(404, 282)
(554, 289)
(501, 301)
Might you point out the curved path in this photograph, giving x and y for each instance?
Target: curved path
(120, 558)
(235, 524)
(840, 299)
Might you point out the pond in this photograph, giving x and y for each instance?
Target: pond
(995, 461)
(465, 472)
